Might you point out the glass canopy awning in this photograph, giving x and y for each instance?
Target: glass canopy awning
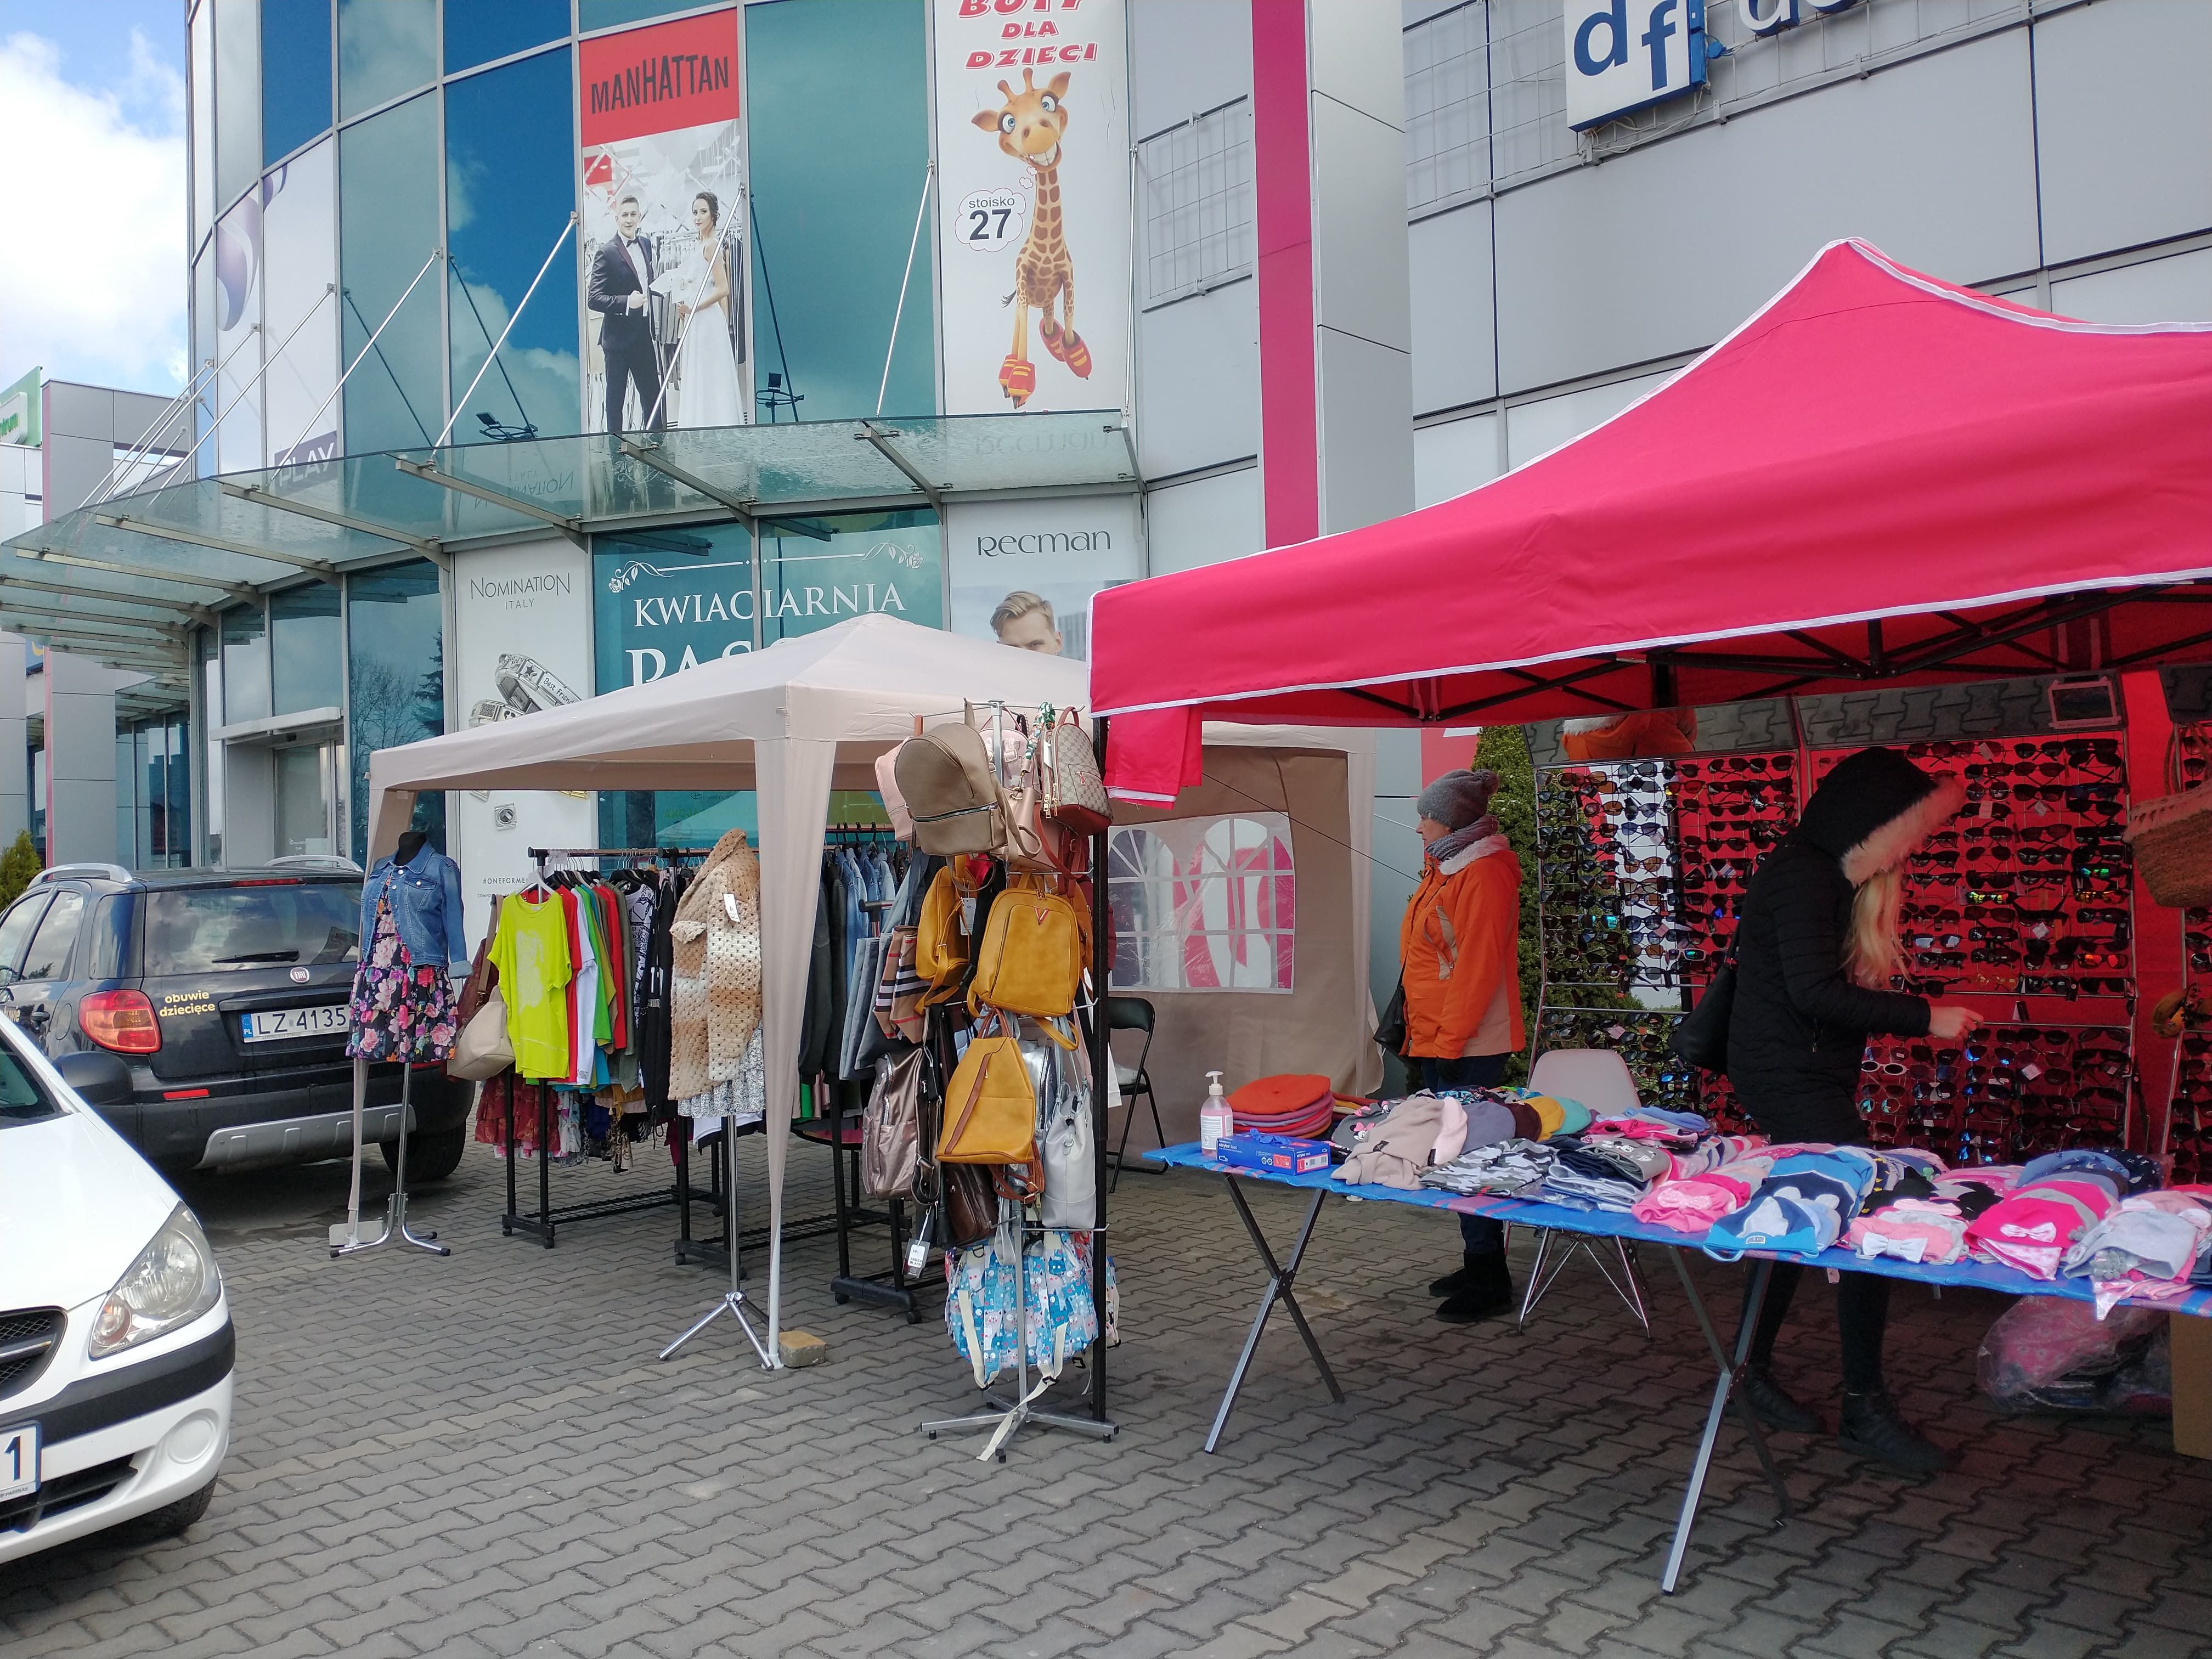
(124, 580)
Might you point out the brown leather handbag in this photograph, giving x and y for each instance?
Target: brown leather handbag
(891, 1128)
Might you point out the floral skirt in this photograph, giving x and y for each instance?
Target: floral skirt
(400, 1012)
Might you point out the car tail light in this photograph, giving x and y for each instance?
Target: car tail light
(121, 1020)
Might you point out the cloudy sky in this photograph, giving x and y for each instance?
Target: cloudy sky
(94, 287)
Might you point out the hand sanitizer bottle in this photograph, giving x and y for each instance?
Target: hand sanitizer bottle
(1213, 1118)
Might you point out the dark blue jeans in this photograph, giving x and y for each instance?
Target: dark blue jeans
(1479, 1234)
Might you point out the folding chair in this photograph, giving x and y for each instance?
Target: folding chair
(1132, 1014)
(1599, 1078)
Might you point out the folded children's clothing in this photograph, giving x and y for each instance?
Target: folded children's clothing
(2139, 1239)
(1910, 1228)
(2127, 1170)
(1775, 1220)
(1505, 1166)
(2031, 1227)
(1693, 1204)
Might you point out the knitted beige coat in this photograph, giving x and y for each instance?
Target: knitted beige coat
(716, 1004)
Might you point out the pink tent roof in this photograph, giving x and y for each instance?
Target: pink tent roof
(1878, 477)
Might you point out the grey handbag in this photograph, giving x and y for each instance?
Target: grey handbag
(1070, 1165)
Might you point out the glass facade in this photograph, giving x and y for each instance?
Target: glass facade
(296, 102)
(237, 446)
(298, 235)
(237, 97)
(479, 31)
(832, 222)
(396, 673)
(153, 795)
(388, 229)
(306, 660)
(510, 187)
(245, 666)
(387, 48)
(202, 48)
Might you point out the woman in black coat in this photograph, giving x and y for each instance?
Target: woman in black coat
(1817, 943)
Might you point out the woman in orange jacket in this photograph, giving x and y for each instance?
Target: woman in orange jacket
(1459, 950)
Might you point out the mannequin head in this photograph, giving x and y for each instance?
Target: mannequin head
(410, 843)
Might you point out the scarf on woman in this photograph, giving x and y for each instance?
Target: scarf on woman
(1448, 847)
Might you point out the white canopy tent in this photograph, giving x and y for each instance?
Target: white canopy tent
(792, 722)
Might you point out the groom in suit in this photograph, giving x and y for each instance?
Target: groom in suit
(621, 291)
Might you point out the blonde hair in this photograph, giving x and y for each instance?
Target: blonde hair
(1872, 954)
(1019, 604)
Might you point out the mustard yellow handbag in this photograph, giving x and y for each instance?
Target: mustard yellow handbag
(1031, 957)
(990, 1109)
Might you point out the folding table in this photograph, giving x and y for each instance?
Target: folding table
(1731, 1359)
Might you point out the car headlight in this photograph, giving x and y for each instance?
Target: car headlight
(174, 1281)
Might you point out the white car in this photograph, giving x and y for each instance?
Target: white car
(115, 1337)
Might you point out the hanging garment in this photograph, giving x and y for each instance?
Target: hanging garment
(654, 996)
(399, 1011)
(531, 952)
(717, 969)
(742, 1101)
(425, 894)
(816, 1034)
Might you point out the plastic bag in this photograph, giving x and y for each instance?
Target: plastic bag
(2041, 1339)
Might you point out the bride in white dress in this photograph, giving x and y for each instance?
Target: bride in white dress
(705, 360)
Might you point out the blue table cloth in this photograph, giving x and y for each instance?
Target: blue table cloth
(1603, 1224)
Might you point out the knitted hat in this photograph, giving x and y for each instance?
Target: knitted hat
(1458, 799)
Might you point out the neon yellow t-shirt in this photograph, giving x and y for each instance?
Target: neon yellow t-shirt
(531, 952)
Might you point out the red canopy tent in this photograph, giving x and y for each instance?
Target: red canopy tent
(1878, 478)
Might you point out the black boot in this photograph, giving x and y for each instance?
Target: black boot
(1458, 1278)
(1872, 1428)
(1771, 1404)
(1488, 1291)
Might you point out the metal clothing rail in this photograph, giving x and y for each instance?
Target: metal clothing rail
(543, 1223)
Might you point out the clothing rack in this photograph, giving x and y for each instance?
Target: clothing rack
(715, 1251)
(543, 1222)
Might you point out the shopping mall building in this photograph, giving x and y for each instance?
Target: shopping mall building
(546, 346)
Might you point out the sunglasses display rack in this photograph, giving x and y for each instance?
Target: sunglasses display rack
(2189, 1126)
(2026, 894)
(1604, 868)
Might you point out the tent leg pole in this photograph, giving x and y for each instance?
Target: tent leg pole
(733, 1299)
(1102, 1078)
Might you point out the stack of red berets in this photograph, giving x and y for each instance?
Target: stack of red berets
(1288, 1105)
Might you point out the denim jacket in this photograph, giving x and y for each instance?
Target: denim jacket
(426, 906)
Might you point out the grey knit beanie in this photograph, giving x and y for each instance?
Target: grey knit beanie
(1458, 799)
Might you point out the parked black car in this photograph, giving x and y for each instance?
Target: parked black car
(202, 1013)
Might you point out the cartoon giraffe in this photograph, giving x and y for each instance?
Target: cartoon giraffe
(1030, 126)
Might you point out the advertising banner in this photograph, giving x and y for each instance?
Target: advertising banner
(663, 228)
(1033, 203)
(1024, 571)
(669, 600)
(522, 642)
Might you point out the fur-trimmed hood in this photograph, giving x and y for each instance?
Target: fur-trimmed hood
(1874, 806)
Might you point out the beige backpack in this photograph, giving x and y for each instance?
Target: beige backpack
(952, 792)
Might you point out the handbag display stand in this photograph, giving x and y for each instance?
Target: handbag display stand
(345, 1237)
(1008, 1418)
(733, 1299)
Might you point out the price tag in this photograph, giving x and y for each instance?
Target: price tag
(2031, 1070)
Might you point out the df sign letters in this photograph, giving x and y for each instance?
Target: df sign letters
(1624, 55)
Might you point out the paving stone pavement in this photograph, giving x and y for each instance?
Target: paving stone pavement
(480, 1456)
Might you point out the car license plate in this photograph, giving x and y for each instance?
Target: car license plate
(18, 1460)
(277, 1024)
